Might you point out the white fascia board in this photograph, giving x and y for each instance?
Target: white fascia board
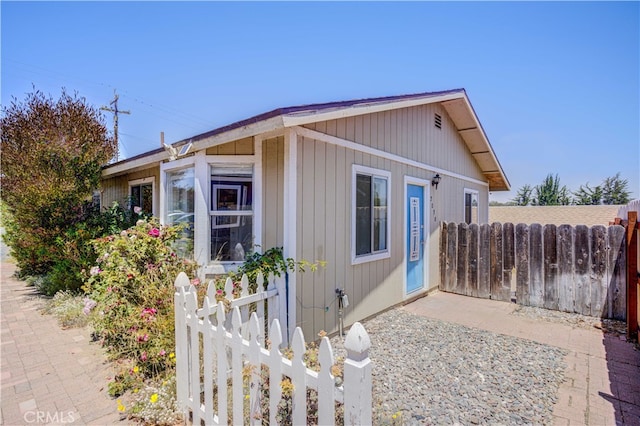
(269, 126)
(323, 137)
(265, 126)
(128, 166)
(344, 112)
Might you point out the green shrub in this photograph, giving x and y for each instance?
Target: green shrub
(272, 261)
(69, 256)
(68, 309)
(77, 253)
(155, 404)
(52, 153)
(43, 284)
(132, 286)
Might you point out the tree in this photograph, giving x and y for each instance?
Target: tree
(52, 153)
(524, 196)
(550, 193)
(585, 195)
(615, 190)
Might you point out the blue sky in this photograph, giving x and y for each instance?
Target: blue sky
(555, 84)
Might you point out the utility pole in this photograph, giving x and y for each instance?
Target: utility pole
(114, 109)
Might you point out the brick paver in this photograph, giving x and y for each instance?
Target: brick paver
(48, 375)
(602, 378)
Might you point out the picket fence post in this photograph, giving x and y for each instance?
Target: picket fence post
(182, 343)
(326, 384)
(357, 377)
(280, 284)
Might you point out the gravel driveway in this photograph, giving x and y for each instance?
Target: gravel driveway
(427, 371)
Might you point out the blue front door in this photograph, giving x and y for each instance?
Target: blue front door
(415, 237)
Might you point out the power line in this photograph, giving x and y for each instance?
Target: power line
(186, 120)
(173, 112)
(115, 112)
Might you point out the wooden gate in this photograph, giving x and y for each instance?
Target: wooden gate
(571, 269)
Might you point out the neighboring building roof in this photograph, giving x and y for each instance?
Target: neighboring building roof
(454, 101)
(555, 215)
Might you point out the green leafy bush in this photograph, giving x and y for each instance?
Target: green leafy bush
(71, 254)
(272, 261)
(52, 153)
(156, 404)
(76, 250)
(68, 309)
(132, 287)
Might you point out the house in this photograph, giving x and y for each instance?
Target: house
(361, 184)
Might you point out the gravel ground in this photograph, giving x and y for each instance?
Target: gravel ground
(573, 320)
(428, 372)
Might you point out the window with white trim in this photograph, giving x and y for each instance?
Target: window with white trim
(180, 208)
(231, 211)
(470, 206)
(370, 219)
(141, 194)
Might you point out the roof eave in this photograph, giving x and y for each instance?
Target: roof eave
(240, 130)
(368, 107)
(469, 127)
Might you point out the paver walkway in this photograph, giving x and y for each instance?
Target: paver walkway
(49, 375)
(602, 380)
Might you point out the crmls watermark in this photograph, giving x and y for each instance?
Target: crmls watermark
(58, 417)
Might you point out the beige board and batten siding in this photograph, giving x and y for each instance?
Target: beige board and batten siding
(325, 200)
(116, 189)
(273, 192)
(240, 147)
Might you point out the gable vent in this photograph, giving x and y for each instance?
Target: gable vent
(438, 121)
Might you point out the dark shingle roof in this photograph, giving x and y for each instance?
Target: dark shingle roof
(300, 109)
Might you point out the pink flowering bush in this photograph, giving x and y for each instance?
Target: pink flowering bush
(132, 288)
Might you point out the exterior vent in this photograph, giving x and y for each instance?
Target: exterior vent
(438, 121)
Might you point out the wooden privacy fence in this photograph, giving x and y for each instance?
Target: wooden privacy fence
(224, 378)
(570, 269)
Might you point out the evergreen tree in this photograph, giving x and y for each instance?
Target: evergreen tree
(585, 195)
(615, 190)
(550, 193)
(524, 196)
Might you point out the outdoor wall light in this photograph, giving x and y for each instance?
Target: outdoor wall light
(435, 180)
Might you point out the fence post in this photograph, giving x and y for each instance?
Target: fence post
(182, 342)
(632, 275)
(357, 377)
(281, 285)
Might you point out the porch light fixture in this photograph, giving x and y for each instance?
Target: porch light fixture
(435, 180)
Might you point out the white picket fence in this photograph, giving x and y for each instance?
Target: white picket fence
(209, 341)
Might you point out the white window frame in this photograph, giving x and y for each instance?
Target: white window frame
(179, 164)
(201, 163)
(236, 160)
(144, 181)
(378, 173)
(464, 204)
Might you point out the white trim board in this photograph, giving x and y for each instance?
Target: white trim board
(312, 116)
(323, 137)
